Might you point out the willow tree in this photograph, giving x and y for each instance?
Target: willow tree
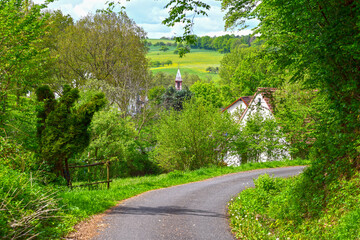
(107, 50)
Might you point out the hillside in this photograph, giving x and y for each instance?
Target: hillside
(194, 62)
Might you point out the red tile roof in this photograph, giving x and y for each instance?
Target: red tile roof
(246, 100)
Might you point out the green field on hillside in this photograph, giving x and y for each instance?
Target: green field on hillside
(194, 62)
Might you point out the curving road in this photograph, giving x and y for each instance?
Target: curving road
(191, 211)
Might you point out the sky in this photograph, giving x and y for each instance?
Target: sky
(149, 14)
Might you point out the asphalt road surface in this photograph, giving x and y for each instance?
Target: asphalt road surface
(191, 211)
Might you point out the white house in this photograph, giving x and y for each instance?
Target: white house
(259, 103)
(237, 107)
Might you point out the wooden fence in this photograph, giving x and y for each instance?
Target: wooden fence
(93, 183)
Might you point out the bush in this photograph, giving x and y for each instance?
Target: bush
(114, 138)
(195, 137)
(293, 208)
(260, 138)
(27, 208)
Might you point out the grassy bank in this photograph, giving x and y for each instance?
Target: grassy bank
(279, 209)
(54, 210)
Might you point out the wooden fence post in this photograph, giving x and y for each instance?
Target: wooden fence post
(108, 174)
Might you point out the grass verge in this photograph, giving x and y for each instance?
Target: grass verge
(82, 203)
(276, 209)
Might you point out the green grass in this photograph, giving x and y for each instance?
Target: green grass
(82, 203)
(278, 209)
(194, 62)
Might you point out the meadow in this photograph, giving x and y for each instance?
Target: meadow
(194, 62)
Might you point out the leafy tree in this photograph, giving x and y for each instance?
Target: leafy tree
(168, 62)
(106, 47)
(246, 69)
(190, 79)
(260, 137)
(319, 41)
(296, 110)
(192, 138)
(162, 79)
(209, 69)
(156, 93)
(115, 138)
(173, 99)
(22, 58)
(208, 93)
(164, 49)
(62, 129)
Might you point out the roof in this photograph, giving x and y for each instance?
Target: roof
(246, 100)
(267, 95)
(178, 76)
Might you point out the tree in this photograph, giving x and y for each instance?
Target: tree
(193, 138)
(319, 41)
(114, 137)
(22, 58)
(208, 93)
(109, 49)
(173, 99)
(246, 69)
(296, 110)
(63, 129)
(260, 137)
(168, 62)
(164, 48)
(162, 79)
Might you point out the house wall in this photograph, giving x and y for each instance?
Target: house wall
(258, 103)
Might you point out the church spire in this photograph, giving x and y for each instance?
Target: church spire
(178, 81)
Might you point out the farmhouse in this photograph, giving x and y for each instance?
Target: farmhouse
(242, 110)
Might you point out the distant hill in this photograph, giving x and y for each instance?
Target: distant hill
(195, 62)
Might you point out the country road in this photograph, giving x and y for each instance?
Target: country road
(191, 211)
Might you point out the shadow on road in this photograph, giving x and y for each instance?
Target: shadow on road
(166, 210)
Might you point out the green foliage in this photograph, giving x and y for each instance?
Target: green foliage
(14, 156)
(23, 58)
(296, 111)
(195, 137)
(279, 209)
(173, 99)
(108, 49)
(155, 94)
(260, 137)
(164, 49)
(28, 209)
(114, 138)
(246, 69)
(62, 129)
(207, 92)
(19, 123)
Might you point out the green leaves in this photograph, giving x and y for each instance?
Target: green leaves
(63, 129)
(195, 137)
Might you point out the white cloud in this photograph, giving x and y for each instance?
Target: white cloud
(149, 14)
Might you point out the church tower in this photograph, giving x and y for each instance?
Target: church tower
(178, 81)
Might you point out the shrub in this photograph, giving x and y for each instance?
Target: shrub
(260, 138)
(192, 138)
(293, 208)
(28, 209)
